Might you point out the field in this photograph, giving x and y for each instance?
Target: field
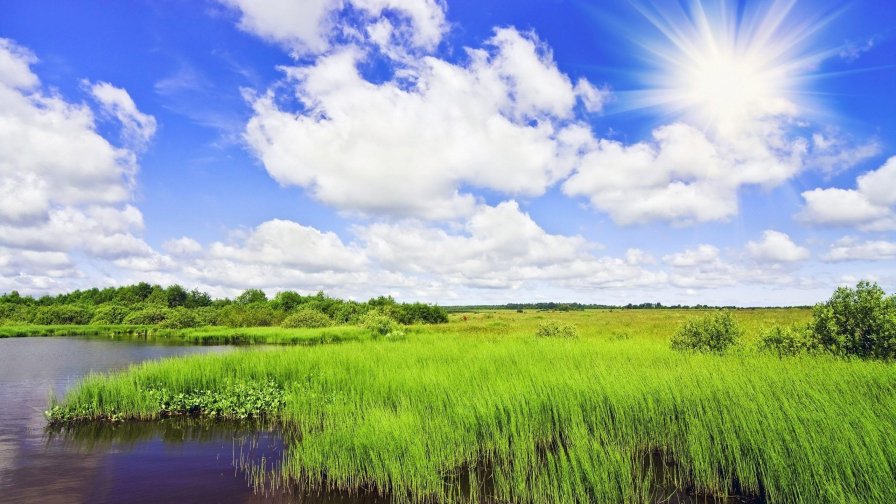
(480, 409)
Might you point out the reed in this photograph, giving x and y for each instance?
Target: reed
(482, 409)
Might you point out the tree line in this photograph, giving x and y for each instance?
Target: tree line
(176, 307)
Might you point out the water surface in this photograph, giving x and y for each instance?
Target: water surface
(157, 465)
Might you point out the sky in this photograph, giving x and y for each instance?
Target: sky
(456, 152)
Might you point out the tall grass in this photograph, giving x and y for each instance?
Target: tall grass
(524, 419)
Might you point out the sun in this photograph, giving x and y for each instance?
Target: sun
(722, 65)
(724, 85)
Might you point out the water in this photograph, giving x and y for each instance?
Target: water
(154, 464)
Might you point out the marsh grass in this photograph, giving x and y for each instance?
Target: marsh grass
(527, 419)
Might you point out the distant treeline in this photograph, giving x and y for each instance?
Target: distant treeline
(177, 307)
(551, 306)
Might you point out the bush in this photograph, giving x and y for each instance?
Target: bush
(109, 314)
(306, 317)
(716, 333)
(250, 315)
(180, 318)
(150, 315)
(553, 329)
(419, 313)
(859, 322)
(380, 324)
(62, 314)
(784, 341)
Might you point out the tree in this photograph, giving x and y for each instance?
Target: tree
(250, 296)
(860, 322)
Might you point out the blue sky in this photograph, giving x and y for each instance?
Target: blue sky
(454, 152)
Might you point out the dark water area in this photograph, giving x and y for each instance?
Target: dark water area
(151, 466)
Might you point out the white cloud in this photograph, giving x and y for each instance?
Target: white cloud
(868, 207)
(776, 247)
(834, 154)
(851, 249)
(64, 188)
(51, 153)
(703, 254)
(406, 147)
(703, 267)
(182, 246)
(301, 26)
(593, 98)
(291, 245)
(15, 66)
(684, 175)
(312, 26)
(137, 127)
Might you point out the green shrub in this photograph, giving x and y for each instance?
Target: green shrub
(380, 325)
(716, 332)
(419, 313)
(62, 314)
(306, 317)
(249, 315)
(180, 318)
(788, 340)
(150, 315)
(109, 314)
(554, 329)
(857, 322)
(206, 315)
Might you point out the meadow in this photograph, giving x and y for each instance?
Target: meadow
(482, 410)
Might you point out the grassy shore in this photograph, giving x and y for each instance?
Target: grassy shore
(197, 336)
(483, 401)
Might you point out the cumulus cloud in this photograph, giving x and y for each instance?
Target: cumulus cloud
(499, 247)
(684, 175)
(704, 267)
(407, 146)
(310, 26)
(776, 247)
(137, 127)
(63, 186)
(850, 248)
(869, 206)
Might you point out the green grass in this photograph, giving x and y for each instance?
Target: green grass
(198, 336)
(529, 419)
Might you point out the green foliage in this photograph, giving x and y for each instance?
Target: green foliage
(249, 315)
(419, 313)
(287, 300)
(176, 296)
(380, 325)
(554, 329)
(788, 340)
(251, 296)
(307, 317)
(857, 322)
(180, 318)
(109, 314)
(715, 332)
(148, 315)
(62, 314)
